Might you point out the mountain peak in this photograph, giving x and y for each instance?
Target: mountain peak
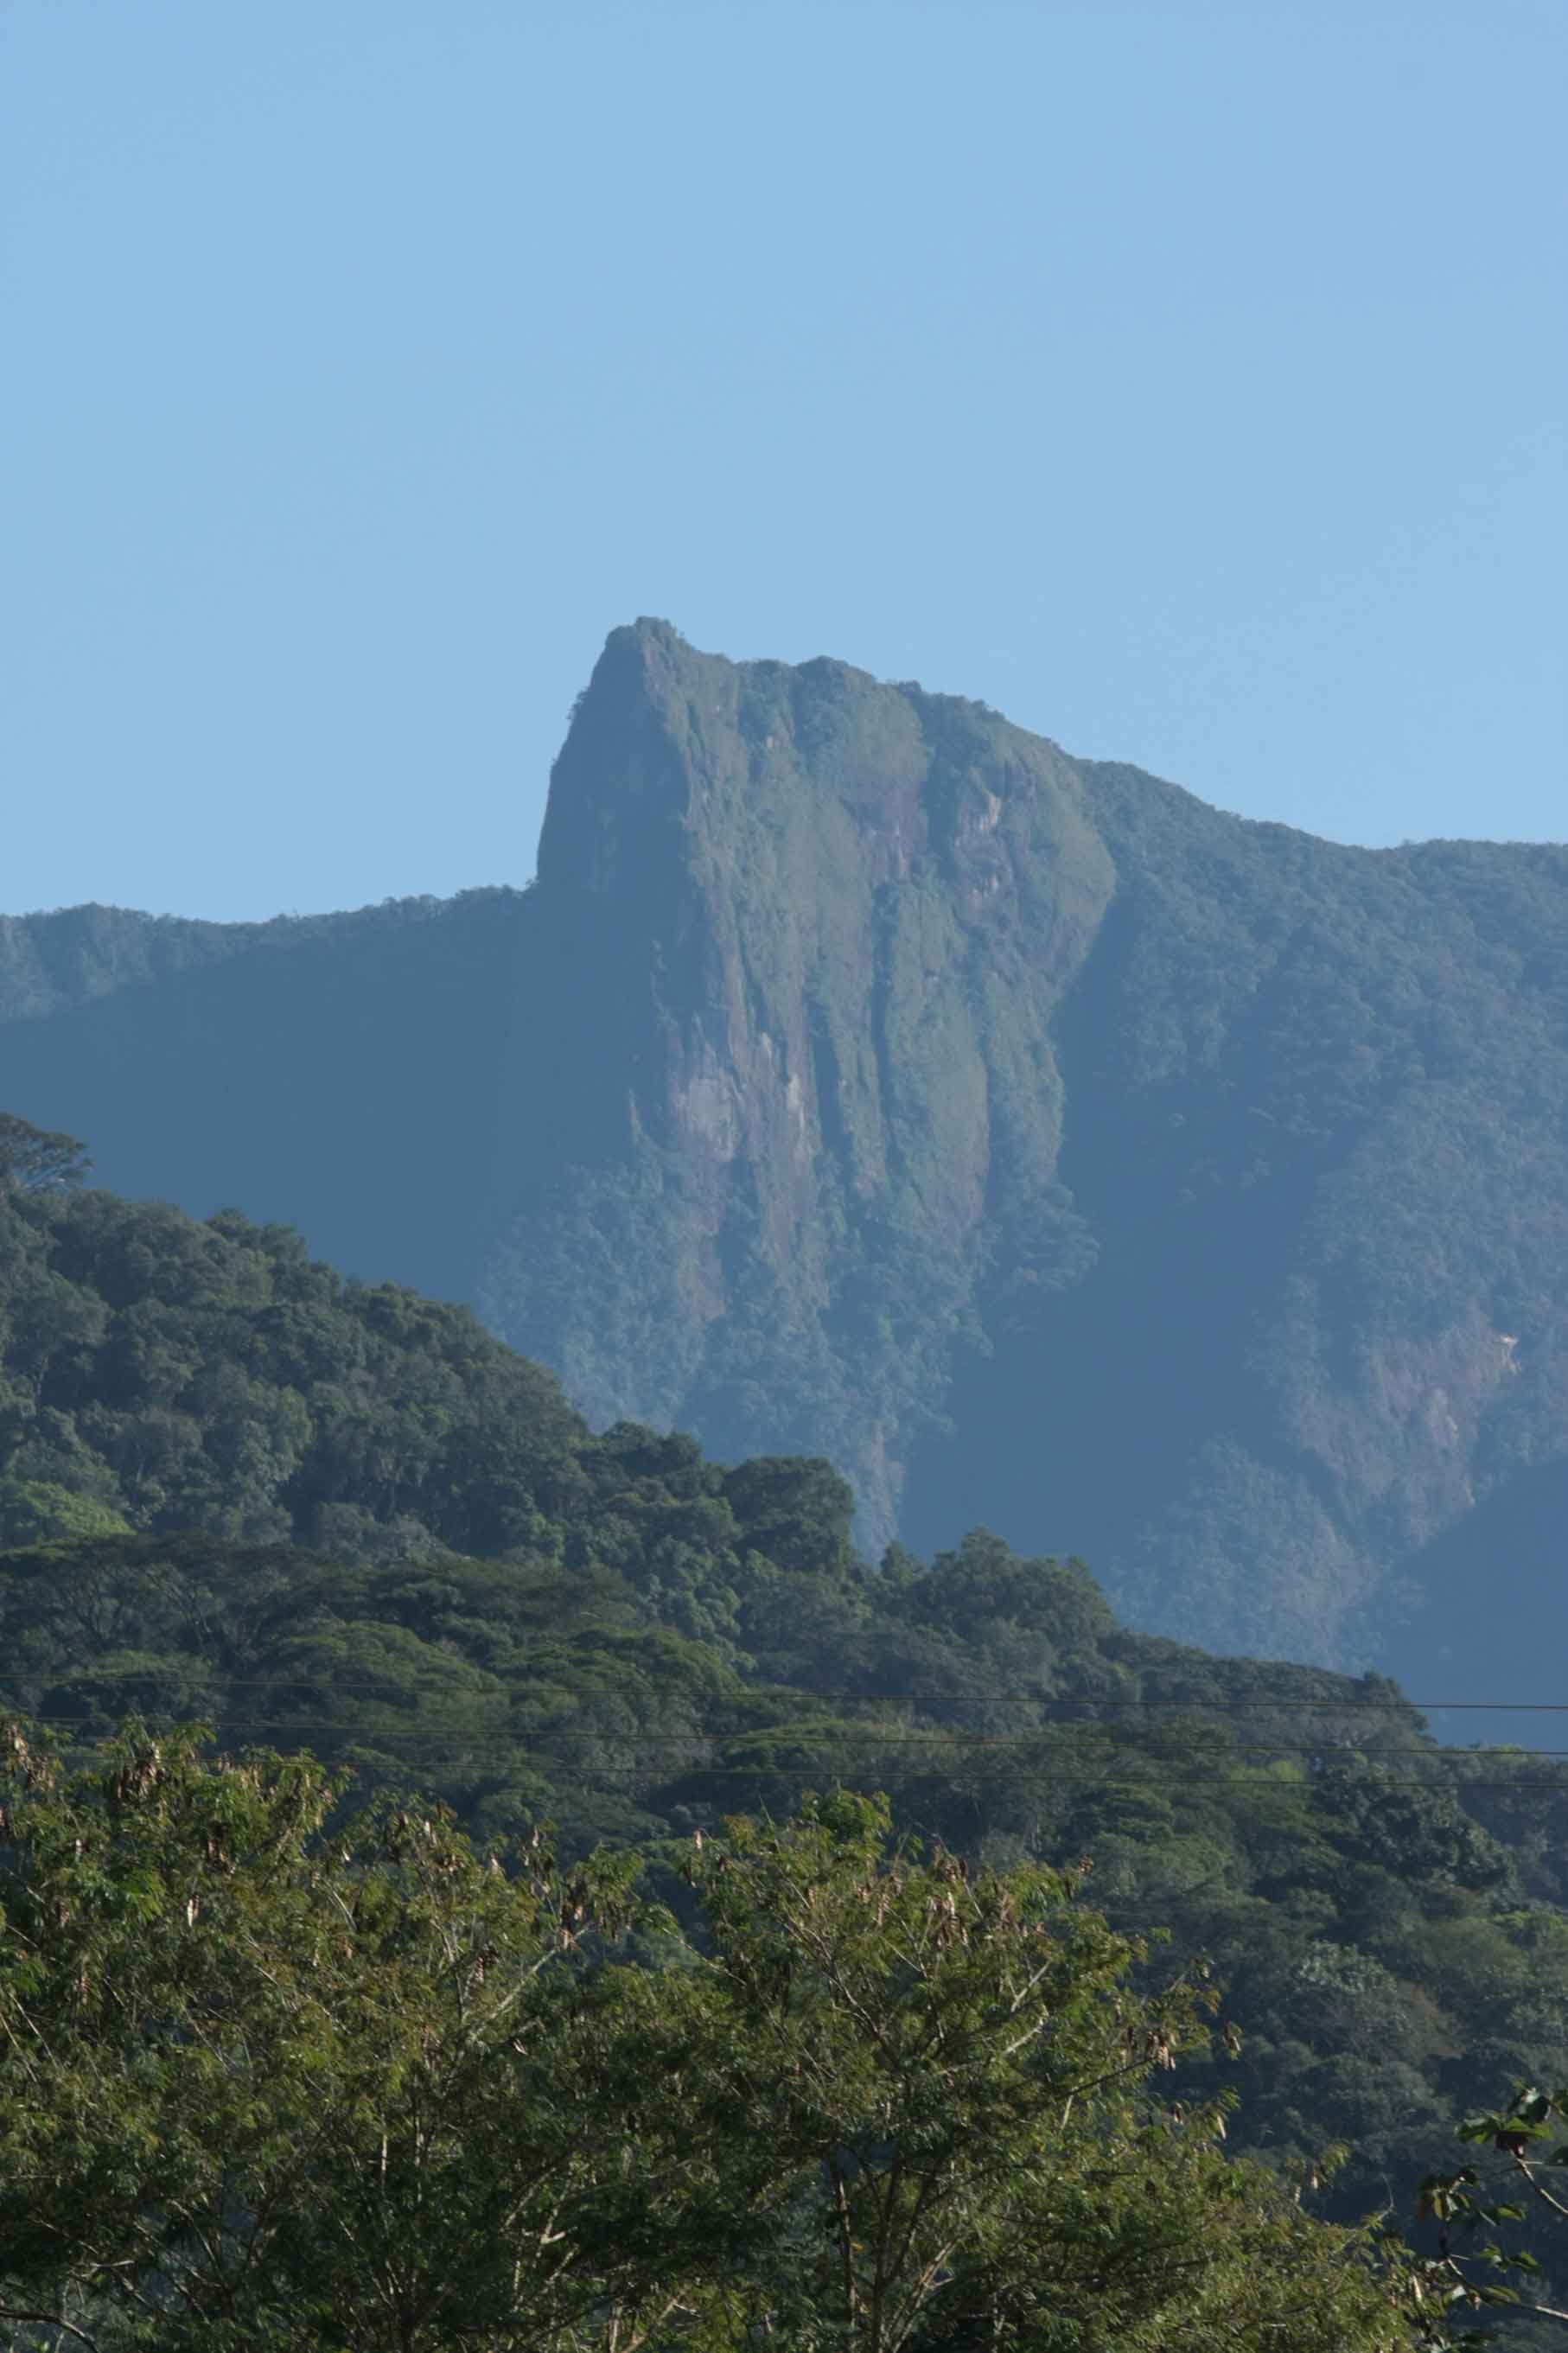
(618, 782)
(668, 745)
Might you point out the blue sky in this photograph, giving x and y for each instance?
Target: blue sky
(1187, 382)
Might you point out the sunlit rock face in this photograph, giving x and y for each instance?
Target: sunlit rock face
(863, 1076)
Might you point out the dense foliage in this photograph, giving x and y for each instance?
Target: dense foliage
(344, 1519)
(263, 2085)
(1517, 2176)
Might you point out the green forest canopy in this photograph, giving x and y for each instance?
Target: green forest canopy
(342, 1518)
(271, 2086)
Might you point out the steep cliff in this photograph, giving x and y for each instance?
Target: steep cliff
(863, 1076)
(816, 933)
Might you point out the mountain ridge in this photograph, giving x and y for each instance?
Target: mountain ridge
(864, 1076)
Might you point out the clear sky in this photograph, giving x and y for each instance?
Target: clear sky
(1188, 381)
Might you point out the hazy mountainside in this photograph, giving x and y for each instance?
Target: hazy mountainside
(340, 1073)
(864, 1076)
(50, 963)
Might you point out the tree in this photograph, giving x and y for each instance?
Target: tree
(1469, 2272)
(35, 1512)
(267, 2083)
(932, 2125)
(272, 2081)
(39, 1160)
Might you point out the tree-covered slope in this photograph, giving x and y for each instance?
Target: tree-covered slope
(339, 1517)
(864, 1076)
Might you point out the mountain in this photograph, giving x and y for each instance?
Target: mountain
(864, 1076)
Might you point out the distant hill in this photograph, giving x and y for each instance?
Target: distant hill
(864, 1076)
(343, 1073)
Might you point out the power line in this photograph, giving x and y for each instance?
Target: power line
(933, 1734)
(789, 1767)
(1220, 1704)
(528, 1735)
(1101, 1767)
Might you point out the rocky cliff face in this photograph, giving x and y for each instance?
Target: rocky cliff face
(863, 1076)
(1052, 1150)
(823, 929)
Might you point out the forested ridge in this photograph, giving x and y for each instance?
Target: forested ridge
(327, 1516)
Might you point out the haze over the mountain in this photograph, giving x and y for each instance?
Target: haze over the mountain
(865, 1077)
